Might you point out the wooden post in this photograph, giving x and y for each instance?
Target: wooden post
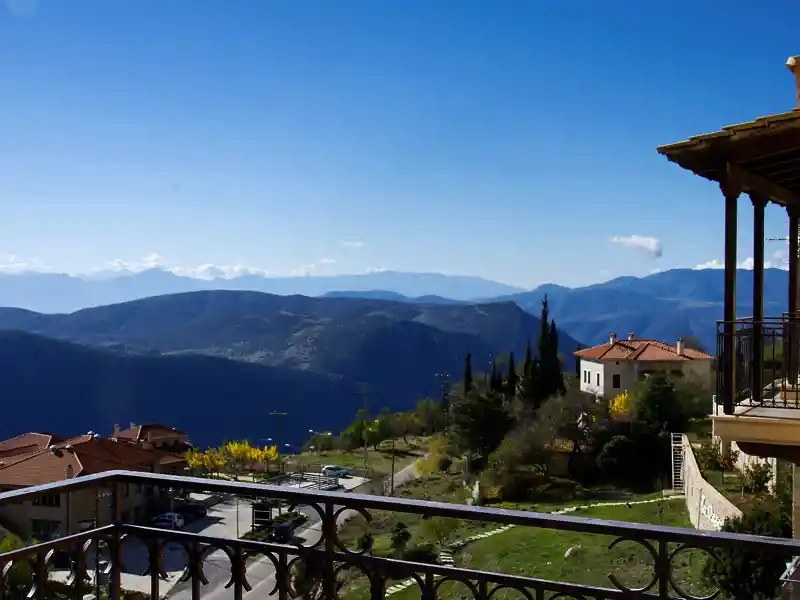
(759, 203)
(731, 193)
(794, 66)
(794, 296)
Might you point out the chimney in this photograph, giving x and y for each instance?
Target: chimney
(133, 424)
(116, 430)
(630, 336)
(794, 66)
(679, 347)
(612, 339)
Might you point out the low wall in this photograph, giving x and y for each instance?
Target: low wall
(707, 507)
(372, 487)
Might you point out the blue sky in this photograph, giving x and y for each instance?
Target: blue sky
(508, 139)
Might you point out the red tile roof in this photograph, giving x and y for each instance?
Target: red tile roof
(645, 350)
(139, 433)
(27, 443)
(82, 455)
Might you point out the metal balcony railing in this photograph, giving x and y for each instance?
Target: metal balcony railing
(323, 557)
(766, 361)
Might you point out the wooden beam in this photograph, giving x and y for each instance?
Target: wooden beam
(750, 182)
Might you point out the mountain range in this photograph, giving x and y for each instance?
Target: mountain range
(61, 293)
(175, 355)
(392, 350)
(661, 306)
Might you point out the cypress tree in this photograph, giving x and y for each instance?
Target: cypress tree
(526, 366)
(468, 373)
(511, 379)
(556, 380)
(494, 378)
(547, 367)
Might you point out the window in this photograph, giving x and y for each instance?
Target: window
(598, 379)
(51, 500)
(615, 381)
(44, 530)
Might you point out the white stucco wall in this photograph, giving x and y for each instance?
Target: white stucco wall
(631, 371)
(592, 377)
(707, 507)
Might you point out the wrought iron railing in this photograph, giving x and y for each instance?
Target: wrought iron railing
(764, 358)
(313, 567)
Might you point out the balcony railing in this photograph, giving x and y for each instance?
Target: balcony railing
(766, 362)
(313, 567)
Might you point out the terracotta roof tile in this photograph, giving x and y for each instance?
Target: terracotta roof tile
(82, 455)
(27, 443)
(645, 350)
(139, 432)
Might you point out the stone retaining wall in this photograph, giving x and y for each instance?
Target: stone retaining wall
(707, 507)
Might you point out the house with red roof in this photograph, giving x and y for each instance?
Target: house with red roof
(35, 459)
(610, 369)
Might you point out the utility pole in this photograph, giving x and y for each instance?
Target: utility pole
(444, 386)
(363, 394)
(391, 483)
(277, 416)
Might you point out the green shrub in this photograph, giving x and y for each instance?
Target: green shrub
(423, 553)
(757, 477)
(400, 538)
(444, 463)
(709, 457)
(743, 574)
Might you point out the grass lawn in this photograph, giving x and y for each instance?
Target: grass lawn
(540, 553)
(533, 552)
(730, 484)
(379, 462)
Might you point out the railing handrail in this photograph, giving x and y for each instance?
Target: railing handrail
(751, 320)
(407, 505)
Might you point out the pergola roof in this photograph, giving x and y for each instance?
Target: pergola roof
(761, 156)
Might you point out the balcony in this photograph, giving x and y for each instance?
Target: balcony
(323, 558)
(764, 387)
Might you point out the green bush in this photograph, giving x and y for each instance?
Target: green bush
(444, 463)
(750, 574)
(757, 477)
(709, 457)
(423, 553)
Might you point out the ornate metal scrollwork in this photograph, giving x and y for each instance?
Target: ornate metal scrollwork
(676, 586)
(653, 553)
(502, 586)
(338, 543)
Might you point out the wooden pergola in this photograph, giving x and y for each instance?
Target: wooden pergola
(762, 159)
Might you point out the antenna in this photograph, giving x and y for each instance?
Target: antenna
(779, 239)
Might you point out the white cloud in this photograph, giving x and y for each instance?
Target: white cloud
(15, 264)
(351, 245)
(310, 269)
(376, 270)
(156, 261)
(777, 261)
(645, 243)
(710, 264)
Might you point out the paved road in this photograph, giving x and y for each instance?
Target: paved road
(261, 573)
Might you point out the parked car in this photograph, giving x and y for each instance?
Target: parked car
(334, 471)
(170, 520)
(192, 512)
(282, 533)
